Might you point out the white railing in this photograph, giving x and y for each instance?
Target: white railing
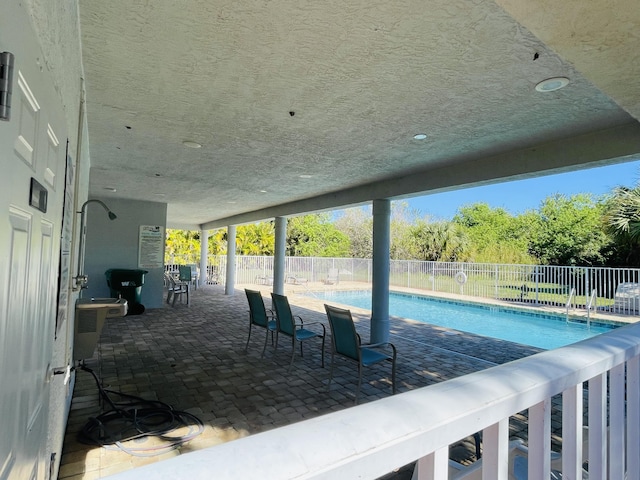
(371, 440)
(617, 289)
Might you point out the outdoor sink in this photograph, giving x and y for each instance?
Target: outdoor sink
(91, 314)
(114, 307)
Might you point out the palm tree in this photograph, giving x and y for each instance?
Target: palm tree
(622, 217)
(438, 241)
(623, 213)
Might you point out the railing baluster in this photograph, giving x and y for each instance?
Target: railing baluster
(597, 454)
(616, 422)
(495, 443)
(572, 432)
(433, 466)
(633, 419)
(540, 440)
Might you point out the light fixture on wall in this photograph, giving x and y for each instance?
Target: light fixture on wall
(6, 74)
(81, 279)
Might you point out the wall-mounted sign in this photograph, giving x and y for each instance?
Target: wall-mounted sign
(151, 246)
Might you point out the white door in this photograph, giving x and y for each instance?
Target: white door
(32, 146)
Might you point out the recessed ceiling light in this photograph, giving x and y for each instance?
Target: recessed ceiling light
(552, 84)
(110, 189)
(420, 136)
(231, 202)
(263, 191)
(190, 144)
(305, 176)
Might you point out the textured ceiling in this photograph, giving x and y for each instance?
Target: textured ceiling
(336, 90)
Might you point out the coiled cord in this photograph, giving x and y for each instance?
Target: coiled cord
(132, 419)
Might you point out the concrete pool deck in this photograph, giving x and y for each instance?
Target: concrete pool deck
(193, 358)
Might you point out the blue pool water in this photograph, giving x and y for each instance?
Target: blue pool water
(538, 330)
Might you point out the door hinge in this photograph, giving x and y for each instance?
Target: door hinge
(6, 74)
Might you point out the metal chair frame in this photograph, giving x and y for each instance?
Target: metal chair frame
(293, 326)
(259, 316)
(346, 343)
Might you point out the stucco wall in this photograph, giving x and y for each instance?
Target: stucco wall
(114, 244)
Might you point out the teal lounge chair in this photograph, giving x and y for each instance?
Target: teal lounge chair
(260, 317)
(293, 326)
(345, 342)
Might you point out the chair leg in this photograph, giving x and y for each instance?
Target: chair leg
(393, 377)
(248, 337)
(168, 295)
(359, 384)
(266, 338)
(175, 296)
(330, 372)
(293, 350)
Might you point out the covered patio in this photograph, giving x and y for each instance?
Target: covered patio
(193, 358)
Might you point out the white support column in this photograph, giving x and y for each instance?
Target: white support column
(231, 261)
(279, 254)
(380, 277)
(204, 257)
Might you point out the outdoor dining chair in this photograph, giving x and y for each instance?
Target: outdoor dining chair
(346, 343)
(293, 326)
(259, 316)
(189, 274)
(175, 289)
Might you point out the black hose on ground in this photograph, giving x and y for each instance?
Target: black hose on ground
(132, 419)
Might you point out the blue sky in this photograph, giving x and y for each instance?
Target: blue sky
(519, 196)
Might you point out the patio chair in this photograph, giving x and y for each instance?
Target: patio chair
(295, 279)
(189, 274)
(332, 278)
(345, 342)
(175, 289)
(293, 326)
(259, 316)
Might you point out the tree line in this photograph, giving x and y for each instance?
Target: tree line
(565, 230)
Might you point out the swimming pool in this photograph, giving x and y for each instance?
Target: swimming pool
(535, 329)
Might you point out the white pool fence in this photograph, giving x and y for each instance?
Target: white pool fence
(603, 289)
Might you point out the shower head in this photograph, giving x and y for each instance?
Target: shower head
(112, 216)
(81, 278)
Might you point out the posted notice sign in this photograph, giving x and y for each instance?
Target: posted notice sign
(151, 246)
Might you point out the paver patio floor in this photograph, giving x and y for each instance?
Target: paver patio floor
(193, 358)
